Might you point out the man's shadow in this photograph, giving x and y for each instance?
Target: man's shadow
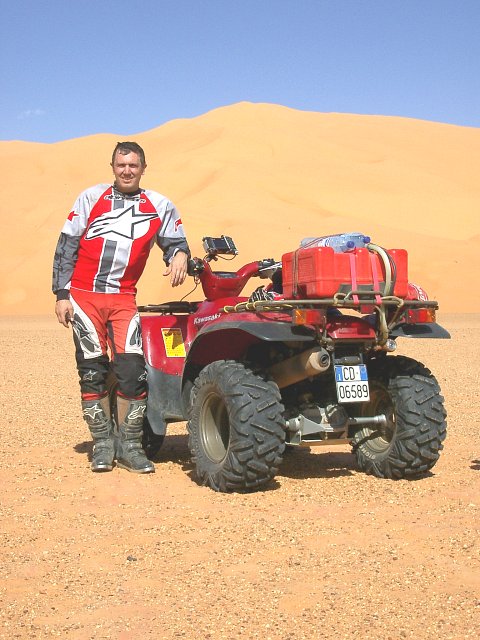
(85, 447)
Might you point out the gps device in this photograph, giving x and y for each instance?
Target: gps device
(219, 246)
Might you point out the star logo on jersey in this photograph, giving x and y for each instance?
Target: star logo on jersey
(126, 224)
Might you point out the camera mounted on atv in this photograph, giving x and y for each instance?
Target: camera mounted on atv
(219, 246)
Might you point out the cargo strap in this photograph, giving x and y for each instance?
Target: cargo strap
(376, 281)
(295, 273)
(353, 274)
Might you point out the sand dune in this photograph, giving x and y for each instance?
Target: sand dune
(268, 176)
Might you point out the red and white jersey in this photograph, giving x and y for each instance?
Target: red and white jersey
(107, 238)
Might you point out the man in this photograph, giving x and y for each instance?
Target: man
(100, 255)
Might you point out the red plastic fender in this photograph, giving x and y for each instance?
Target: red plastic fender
(164, 341)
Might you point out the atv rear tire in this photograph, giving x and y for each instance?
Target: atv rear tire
(236, 428)
(410, 444)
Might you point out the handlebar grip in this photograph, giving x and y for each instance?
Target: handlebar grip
(195, 266)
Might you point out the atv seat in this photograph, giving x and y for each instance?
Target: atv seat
(225, 274)
(180, 306)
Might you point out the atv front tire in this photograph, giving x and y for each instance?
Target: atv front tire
(410, 443)
(236, 428)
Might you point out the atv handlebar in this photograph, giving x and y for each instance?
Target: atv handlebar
(225, 284)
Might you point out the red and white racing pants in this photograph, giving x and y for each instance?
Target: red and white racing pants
(108, 323)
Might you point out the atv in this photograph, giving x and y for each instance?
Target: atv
(305, 360)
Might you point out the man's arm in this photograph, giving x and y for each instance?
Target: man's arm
(65, 257)
(64, 311)
(63, 265)
(177, 269)
(171, 240)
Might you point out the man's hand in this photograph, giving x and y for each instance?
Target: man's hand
(64, 311)
(177, 269)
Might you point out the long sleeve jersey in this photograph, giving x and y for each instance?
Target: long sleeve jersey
(107, 237)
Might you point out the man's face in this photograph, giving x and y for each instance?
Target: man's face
(128, 171)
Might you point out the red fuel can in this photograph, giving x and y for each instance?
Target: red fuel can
(320, 272)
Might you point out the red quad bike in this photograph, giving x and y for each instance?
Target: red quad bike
(304, 361)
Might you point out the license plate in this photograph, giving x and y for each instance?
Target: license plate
(352, 383)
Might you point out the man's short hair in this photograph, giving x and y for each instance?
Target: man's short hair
(129, 147)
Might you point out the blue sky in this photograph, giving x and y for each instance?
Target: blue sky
(74, 68)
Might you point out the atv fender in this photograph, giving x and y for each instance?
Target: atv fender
(230, 340)
(164, 374)
(164, 403)
(420, 330)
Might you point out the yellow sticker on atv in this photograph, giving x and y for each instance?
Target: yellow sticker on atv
(173, 341)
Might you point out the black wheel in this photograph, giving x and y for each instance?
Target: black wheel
(236, 428)
(410, 443)
(151, 442)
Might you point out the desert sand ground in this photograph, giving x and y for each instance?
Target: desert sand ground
(326, 552)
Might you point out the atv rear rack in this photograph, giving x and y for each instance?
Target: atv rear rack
(354, 300)
(341, 301)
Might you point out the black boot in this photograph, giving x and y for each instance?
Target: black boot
(130, 454)
(96, 414)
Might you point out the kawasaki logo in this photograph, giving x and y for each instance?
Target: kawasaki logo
(206, 318)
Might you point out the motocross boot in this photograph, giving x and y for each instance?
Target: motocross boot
(130, 454)
(96, 414)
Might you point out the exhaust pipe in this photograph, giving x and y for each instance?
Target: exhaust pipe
(304, 365)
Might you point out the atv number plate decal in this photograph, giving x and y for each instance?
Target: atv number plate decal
(173, 341)
(352, 383)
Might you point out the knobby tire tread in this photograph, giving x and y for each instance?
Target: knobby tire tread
(257, 428)
(420, 421)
